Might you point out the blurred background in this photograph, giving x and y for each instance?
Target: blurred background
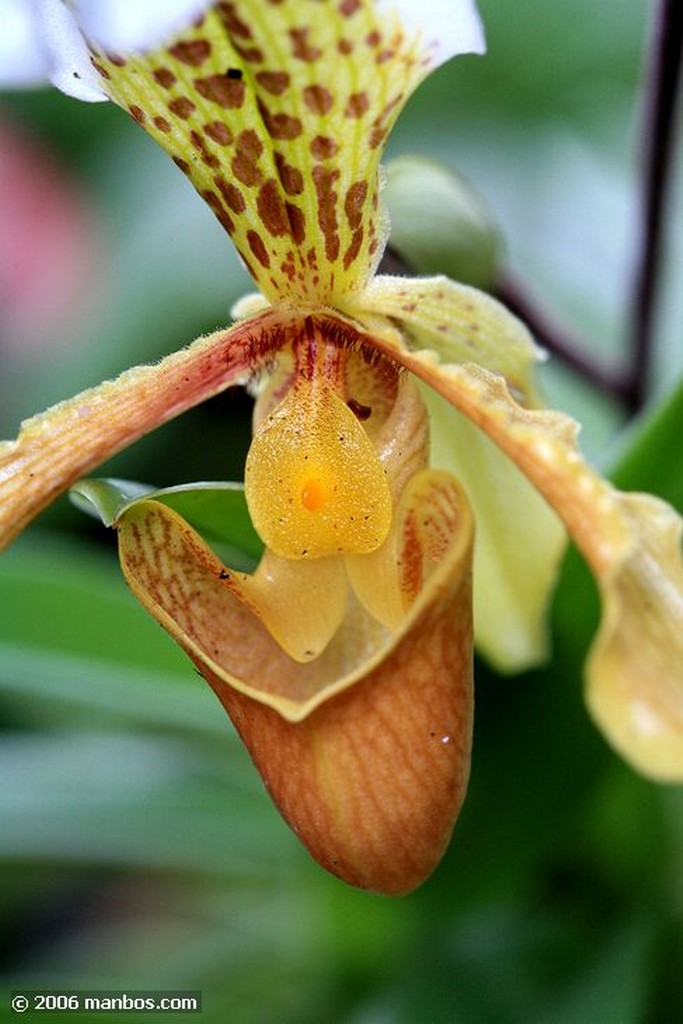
(138, 848)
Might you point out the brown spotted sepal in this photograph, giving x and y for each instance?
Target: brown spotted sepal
(278, 112)
(366, 748)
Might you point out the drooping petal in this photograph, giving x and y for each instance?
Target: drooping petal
(632, 543)
(278, 113)
(58, 446)
(366, 749)
(520, 540)
(519, 544)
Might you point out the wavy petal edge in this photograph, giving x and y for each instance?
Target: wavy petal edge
(631, 542)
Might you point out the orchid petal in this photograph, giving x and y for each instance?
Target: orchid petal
(519, 544)
(520, 540)
(632, 543)
(278, 113)
(301, 603)
(458, 322)
(366, 749)
(65, 442)
(635, 666)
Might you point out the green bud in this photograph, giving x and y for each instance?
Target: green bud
(439, 224)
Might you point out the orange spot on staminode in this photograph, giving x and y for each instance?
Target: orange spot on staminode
(312, 495)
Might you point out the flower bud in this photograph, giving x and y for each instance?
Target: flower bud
(439, 224)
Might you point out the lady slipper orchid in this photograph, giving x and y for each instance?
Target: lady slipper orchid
(345, 659)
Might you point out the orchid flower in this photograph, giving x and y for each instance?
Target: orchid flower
(345, 659)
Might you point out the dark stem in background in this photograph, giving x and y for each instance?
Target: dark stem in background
(548, 331)
(558, 339)
(630, 384)
(627, 384)
(658, 131)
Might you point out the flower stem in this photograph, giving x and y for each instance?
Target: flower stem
(630, 385)
(658, 131)
(558, 339)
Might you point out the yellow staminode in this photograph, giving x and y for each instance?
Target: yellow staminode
(314, 482)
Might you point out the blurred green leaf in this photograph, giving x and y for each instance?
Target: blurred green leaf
(72, 639)
(50, 589)
(114, 798)
(649, 456)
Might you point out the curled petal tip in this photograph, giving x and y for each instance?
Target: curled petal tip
(635, 669)
(67, 59)
(448, 28)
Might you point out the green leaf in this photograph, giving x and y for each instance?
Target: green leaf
(217, 510)
(650, 453)
(137, 801)
(54, 670)
(107, 499)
